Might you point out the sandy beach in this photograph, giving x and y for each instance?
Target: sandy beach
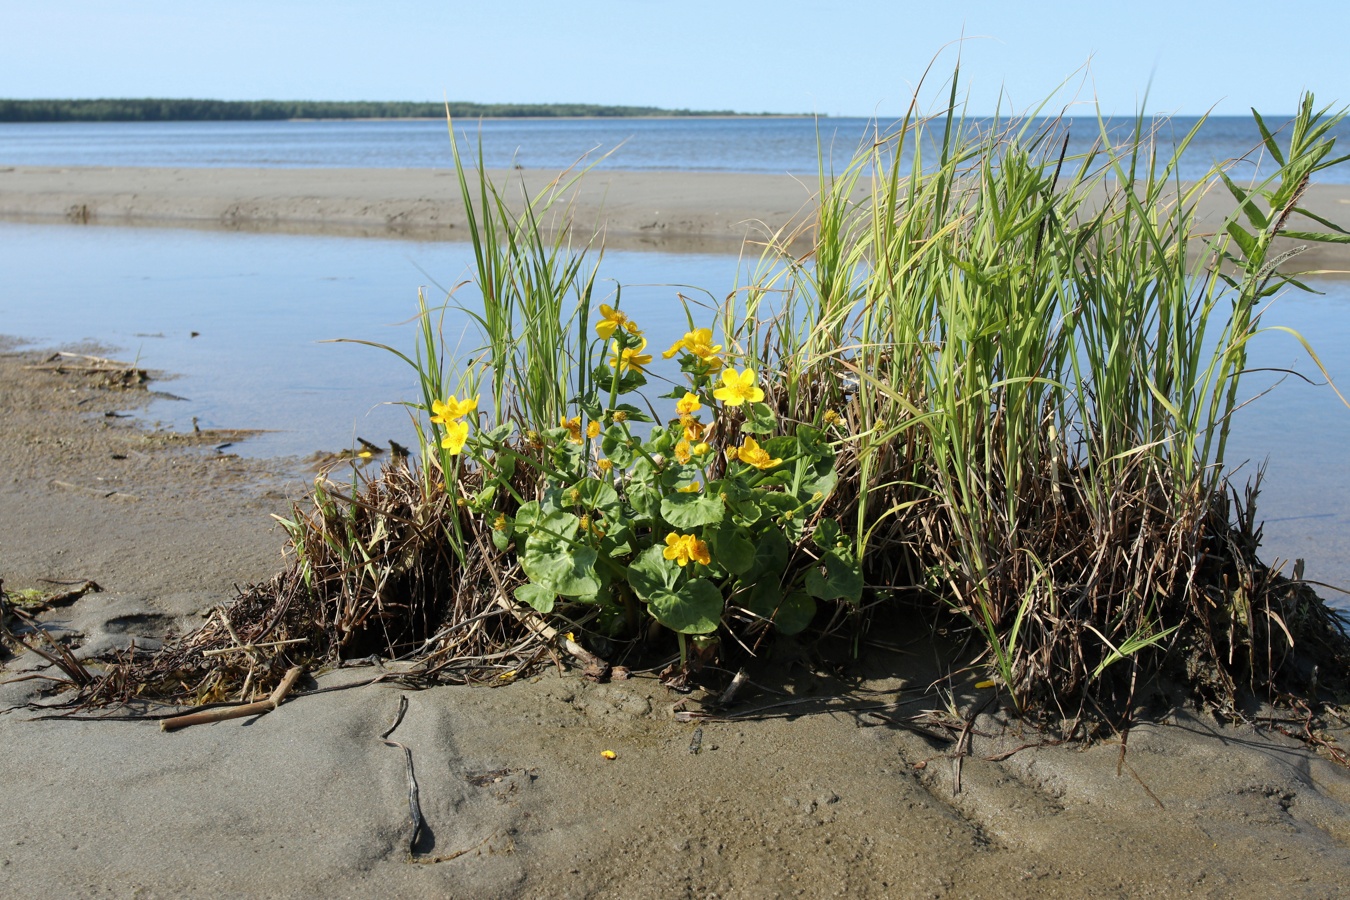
(799, 789)
(819, 797)
(671, 211)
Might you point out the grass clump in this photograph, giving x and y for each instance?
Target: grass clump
(997, 388)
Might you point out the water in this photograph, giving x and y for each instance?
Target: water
(769, 145)
(262, 304)
(262, 307)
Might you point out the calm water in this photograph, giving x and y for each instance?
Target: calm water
(262, 304)
(729, 145)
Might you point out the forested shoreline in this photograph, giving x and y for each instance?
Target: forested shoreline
(188, 110)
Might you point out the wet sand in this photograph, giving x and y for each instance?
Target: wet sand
(671, 211)
(816, 799)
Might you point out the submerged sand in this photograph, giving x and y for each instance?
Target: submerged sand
(673, 211)
(815, 798)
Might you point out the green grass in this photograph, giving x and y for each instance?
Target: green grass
(1042, 359)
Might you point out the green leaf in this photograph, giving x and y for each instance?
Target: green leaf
(827, 534)
(759, 419)
(730, 547)
(537, 596)
(1272, 146)
(692, 510)
(527, 517)
(652, 572)
(553, 557)
(645, 500)
(740, 500)
(835, 578)
(597, 495)
(614, 444)
(499, 434)
(790, 614)
(1317, 236)
(696, 608)
(772, 552)
(786, 516)
(763, 597)
(1244, 240)
(795, 613)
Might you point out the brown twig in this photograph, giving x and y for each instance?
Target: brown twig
(173, 723)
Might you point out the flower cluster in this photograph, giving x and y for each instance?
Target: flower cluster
(739, 388)
(752, 454)
(684, 547)
(450, 415)
(698, 343)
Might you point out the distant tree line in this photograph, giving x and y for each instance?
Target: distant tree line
(152, 110)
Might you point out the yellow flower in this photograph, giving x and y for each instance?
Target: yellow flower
(573, 426)
(593, 429)
(620, 416)
(451, 409)
(605, 465)
(682, 452)
(738, 389)
(611, 319)
(831, 417)
(684, 547)
(688, 405)
(456, 433)
(499, 523)
(699, 343)
(693, 428)
(630, 357)
(691, 488)
(731, 454)
(609, 754)
(752, 454)
(699, 449)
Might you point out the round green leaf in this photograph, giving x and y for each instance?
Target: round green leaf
(536, 595)
(652, 572)
(696, 608)
(686, 511)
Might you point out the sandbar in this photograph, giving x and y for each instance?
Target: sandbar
(668, 211)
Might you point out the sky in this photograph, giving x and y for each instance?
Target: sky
(851, 57)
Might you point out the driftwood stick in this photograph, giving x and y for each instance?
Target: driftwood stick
(236, 712)
(249, 648)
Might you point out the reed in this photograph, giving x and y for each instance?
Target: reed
(1041, 358)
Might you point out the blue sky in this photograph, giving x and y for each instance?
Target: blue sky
(859, 58)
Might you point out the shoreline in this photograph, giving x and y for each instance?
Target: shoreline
(824, 799)
(700, 212)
